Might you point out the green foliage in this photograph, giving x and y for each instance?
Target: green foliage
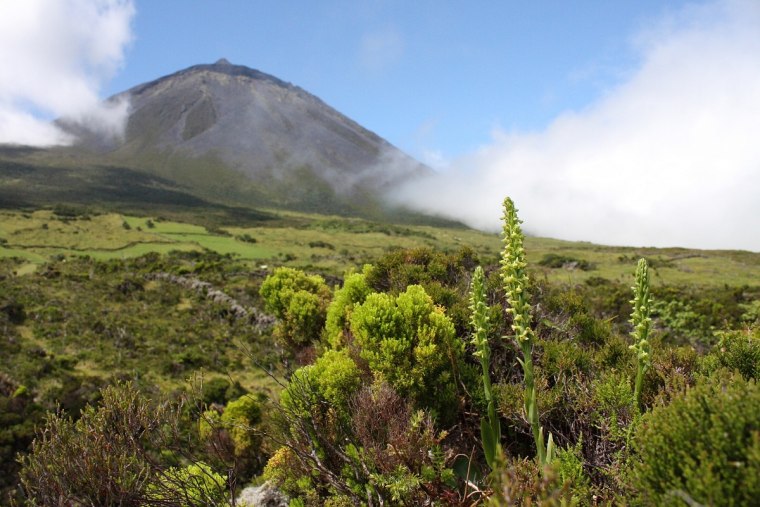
(299, 301)
(329, 382)
(108, 456)
(286, 471)
(410, 343)
(354, 291)
(739, 351)
(566, 310)
(553, 260)
(279, 288)
(613, 402)
(445, 278)
(235, 435)
(239, 419)
(19, 414)
(569, 467)
(246, 238)
(220, 390)
(195, 484)
(704, 446)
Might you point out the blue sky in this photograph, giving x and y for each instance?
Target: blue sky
(619, 122)
(432, 77)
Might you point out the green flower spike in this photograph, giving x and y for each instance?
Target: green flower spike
(515, 278)
(642, 304)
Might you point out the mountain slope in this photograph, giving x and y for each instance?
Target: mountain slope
(231, 132)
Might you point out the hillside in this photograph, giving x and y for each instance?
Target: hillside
(180, 311)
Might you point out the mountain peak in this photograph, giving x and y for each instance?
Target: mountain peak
(274, 135)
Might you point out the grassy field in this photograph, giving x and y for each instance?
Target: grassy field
(334, 244)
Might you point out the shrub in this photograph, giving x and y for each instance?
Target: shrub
(299, 301)
(354, 291)
(234, 435)
(108, 456)
(239, 418)
(195, 484)
(410, 343)
(332, 379)
(740, 351)
(552, 260)
(220, 390)
(704, 447)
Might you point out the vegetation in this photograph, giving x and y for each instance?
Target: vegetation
(389, 384)
(516, 286)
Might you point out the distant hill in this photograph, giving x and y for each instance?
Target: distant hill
(234, 135)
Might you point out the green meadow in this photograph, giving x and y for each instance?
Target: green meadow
(334, 244)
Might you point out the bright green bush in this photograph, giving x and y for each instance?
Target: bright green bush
(704, 447)
(299, 301)
(239, 419)
(354, 291)
(195, 484)
(410, 343)
(279, 287)
(333, 378)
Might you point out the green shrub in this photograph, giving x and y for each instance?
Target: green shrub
(220, 390)
(738, 350)
(239, 419)
(613, 408)
(108, 456)
(333, 379)
(569, 466)
(235, 436)
(354, 291)
(704, 447)
(410, 343)
(552, 260)
(279, 287)
(195, 484)
(299, 301)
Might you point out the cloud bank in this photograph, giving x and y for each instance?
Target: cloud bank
(669, 157)
(55, 54)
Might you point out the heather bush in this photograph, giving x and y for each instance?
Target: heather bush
(703, 447)
(736, 350)
(110, 456)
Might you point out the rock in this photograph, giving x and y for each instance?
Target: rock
(265, 495)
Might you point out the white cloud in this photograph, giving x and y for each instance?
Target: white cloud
(669, 157)
(380, 50)
(55, 54)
